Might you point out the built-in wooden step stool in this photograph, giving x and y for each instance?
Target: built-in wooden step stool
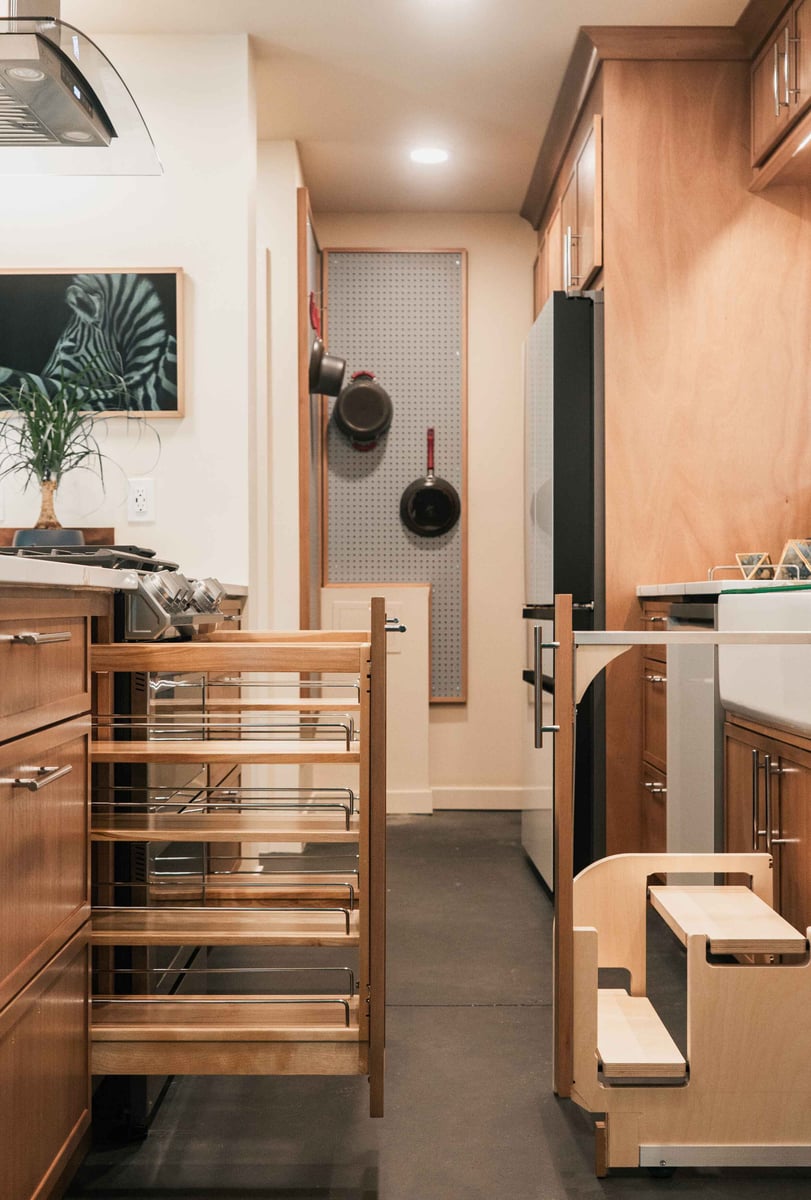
(734, 919)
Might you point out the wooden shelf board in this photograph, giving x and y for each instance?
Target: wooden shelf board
(175, 927)
(215, 750)
(222, 827)
(230, 1058)
(225, 1021)
(734, 919)
(632, 1042)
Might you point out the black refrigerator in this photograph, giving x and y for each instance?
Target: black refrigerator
(564, 548)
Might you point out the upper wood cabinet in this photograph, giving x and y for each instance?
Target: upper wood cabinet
(574, 234)
(781, 80)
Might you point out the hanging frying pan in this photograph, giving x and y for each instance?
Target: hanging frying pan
(326, 371)
(430, 506)
(363, 412)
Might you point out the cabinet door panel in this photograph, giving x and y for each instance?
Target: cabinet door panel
(792, 850)
(801, 95)
(654, 811)
(568, 226)
(589, 173)
(554, 254)
(44, 1049)
(43, 850)
(743, 800)
(772, 109)
(654, 714)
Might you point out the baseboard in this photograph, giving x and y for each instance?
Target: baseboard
(409, 801)
(496, 798)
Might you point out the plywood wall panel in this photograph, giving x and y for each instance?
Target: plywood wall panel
(708, 354)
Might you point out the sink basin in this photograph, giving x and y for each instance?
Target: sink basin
(771, 684)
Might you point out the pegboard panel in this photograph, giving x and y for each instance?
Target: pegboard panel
(401, 315)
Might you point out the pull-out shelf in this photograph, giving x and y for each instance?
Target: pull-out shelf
(228, 1035)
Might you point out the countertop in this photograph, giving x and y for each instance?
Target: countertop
(713, 587)
(38, 571)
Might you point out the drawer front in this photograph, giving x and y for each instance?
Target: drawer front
(44, 887)
(654, 617)
(43, 680)
(45, 1068)
(654, 811)
(654, 713)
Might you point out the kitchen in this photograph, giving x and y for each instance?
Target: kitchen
(694, 351)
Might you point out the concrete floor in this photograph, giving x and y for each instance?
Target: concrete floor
(469, 1110)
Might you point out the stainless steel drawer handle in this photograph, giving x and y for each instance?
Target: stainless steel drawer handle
(41, 779)
(34, 639)
(656, 678)
(656, 617)
(656, 789)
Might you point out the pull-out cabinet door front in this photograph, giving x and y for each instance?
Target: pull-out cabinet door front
(44, 877)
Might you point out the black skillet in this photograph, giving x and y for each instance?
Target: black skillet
(430, 506)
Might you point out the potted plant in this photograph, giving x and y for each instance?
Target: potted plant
(47, 429)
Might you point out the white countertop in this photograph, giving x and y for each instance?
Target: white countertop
(714, 587)
(39, 571)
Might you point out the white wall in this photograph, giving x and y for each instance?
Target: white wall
(476, 750)
(199, 215)
(277, 491)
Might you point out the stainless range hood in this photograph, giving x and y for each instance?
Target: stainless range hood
(64, 108)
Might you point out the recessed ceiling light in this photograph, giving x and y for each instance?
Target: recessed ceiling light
(429, 154)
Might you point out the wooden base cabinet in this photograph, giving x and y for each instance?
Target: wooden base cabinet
(653, 798)
(768, 807)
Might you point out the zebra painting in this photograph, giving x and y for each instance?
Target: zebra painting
(117, 326)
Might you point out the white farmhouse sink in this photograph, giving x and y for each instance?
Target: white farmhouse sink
(771, 684)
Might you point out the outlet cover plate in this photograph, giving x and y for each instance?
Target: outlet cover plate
(141, 500)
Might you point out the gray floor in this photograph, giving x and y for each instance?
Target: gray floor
(469, 1111)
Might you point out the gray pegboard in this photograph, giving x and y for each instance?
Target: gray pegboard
(401, 315)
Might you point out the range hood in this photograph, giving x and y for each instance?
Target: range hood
(64, 108)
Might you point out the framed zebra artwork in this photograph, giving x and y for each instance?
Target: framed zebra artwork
(128, 323)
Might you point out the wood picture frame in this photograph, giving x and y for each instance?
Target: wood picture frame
(129, 319)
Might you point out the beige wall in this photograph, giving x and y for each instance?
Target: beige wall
(476, 749)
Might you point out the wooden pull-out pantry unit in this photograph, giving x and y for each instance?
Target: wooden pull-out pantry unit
(274, 1023)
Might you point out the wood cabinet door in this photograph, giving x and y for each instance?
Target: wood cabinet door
(801, 88)
(589, 185)
(772, 80)
(654, 714)
(568, 233)
(743, 799)
(653, 807)
(791, 827)
(554, 253)
(540, 280)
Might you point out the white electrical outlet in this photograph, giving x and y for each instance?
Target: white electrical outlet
(141, 500)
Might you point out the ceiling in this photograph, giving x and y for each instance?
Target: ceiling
(357, 83)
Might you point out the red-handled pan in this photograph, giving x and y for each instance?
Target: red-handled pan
(430, 506)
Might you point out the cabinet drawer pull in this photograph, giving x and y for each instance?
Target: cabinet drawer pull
(43, 777)
(34, 639)
(656, 678)
(656, 789)
(656, 617)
